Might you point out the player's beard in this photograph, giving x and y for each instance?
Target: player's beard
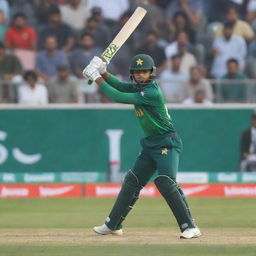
(141, 83)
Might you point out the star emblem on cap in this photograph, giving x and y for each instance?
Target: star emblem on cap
(139, 62)
(165, 151)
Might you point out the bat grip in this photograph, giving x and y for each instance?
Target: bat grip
(90, 81)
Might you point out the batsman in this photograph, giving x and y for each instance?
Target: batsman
(161, 146)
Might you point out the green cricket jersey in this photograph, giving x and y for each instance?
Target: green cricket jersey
(148, 102)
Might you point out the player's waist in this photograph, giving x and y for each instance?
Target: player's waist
(159, 136)
(166, 140)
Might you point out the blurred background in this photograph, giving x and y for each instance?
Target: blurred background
(204, 50)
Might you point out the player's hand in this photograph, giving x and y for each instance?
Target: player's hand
(96, 62)
(91, 73)
(103, 67)
(99, 64)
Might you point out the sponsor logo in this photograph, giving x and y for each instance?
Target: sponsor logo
(195, 177)
(8, 177)
(47, 191)
(110, 52)
(24, 158)
(249, 177)
(17, 153)
(45, 177)
(227, 177)
(194, 190)
(14, 192)
(239, 191)
(148, 191)
(107, 191)
(80, 177)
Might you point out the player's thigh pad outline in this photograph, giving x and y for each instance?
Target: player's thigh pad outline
(144, 168)
(170, 191)
(127, 197)
(166, 164)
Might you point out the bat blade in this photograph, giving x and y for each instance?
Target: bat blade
(124, 33)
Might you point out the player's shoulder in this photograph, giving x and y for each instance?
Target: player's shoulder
(152, 90)
(155, 86)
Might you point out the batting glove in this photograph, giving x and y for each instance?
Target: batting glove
(103, 67)
(96, 62)
(91, 73)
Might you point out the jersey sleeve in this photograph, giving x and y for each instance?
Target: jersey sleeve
(138, 98)
(119, 85)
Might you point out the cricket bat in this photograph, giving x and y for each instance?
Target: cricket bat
(123, 35)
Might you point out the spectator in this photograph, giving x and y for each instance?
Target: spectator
(198, 98)
(179, 24)
(31, 92)
(55, 27)
(251, 12)
(233, 90)
(241, 28)
(172, 79)
(5, 93)
(42, 9)
(22, 6)
(156, 52)
(20, 35)
(63, 88)
(3, 26)
(196, 82)
(155, 18)
(248, 148)
(96, 13)
(74, 14)
(10, 65)
(49, 59)
(181, 47)
(193, 9)
(100, 33)
(227, 47)
(4, 7)
(111, 11)
(119, 65)
(81, 57)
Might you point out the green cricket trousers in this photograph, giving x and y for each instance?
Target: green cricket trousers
(159, 153)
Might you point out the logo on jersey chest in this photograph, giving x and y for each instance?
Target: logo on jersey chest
(139, 112)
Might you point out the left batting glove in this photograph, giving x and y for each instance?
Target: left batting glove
(96, 62)
(91, 73)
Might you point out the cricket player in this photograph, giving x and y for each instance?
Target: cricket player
(161, 146)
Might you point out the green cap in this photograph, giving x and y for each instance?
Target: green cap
(143, 62)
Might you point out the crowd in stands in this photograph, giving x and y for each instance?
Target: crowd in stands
(204, 50)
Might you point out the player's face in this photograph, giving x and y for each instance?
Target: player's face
(141, 76)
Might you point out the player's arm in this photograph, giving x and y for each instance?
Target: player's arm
(122, 97)
(116, 83)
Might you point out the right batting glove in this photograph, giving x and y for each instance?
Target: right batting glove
(91, 73)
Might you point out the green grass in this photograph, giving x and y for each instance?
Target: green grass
(126, 250)
(82, 212)
(34, 215)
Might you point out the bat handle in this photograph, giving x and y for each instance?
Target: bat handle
(90, 82)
